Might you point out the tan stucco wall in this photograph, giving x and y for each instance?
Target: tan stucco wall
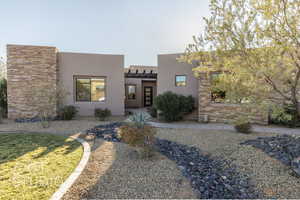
(109, 66)
(168, 68)
(139, 101)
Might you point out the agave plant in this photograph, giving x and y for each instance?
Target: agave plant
(139, 119)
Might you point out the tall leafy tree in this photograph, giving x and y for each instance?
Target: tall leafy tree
(3, 89)
(2, 68)
(255, 44)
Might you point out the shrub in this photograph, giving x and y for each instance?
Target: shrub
(173, 106)
(286, 116)
(1, 115)
(169, 104)
(243, 125)
(142, 139)
(152, 111)
(68, 112)
(102, 114)
(3, 97)
(138, 135)
(187, 103)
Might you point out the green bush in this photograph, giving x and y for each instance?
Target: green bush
(102, 114)
(243, 125)
(152, 111)
(286, 117)
(1, 115)
(173, 106)
(187, 103)
(68, 112)
(3, 97)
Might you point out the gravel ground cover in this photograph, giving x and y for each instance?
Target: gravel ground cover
(56, 127)
(114, 172)
(270, 177)
(210, 178)
(284, 148)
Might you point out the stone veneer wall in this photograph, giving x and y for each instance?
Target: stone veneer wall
(222, 112)
(29, 68)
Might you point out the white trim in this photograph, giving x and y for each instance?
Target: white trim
(64, 187)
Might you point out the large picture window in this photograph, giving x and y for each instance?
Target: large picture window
(131, 92)
(91, 89)
(180, 80)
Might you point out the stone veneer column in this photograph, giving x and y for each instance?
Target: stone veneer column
(204, 95)
(29, 68)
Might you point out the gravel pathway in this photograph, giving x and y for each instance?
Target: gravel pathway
(219, 126)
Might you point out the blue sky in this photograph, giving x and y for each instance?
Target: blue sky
(139, 29)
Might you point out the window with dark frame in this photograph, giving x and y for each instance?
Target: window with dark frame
(131, 92)
(90, 89)
(180, 80)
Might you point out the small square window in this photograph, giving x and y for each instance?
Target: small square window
(180, 80)
(131, 92)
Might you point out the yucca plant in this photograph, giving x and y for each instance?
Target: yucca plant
(139, 119)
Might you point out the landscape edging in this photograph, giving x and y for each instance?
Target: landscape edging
(65, 186)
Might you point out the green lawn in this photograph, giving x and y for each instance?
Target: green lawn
(32, 166)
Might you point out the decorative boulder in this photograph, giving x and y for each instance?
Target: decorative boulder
(296, 165)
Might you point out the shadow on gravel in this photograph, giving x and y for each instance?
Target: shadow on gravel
(209, 176)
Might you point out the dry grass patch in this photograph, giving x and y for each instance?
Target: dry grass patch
(32, 166)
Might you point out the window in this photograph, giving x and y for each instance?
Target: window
(180, 80)
(131, 92)
(90, 89)
(217, 95)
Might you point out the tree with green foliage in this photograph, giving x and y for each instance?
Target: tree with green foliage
(3, 89)
(255, 45)
(3, 97)
(2, 68)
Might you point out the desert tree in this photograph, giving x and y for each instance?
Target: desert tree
(48, 100)
(255, 45)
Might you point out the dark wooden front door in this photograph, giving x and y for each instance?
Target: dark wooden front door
(148, 96)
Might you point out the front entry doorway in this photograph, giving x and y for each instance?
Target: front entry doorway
(148, 96)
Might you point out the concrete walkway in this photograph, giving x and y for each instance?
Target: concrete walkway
(217, 126)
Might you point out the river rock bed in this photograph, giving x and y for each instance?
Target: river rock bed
(108, 132)
(285, 148)
(210, 177)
